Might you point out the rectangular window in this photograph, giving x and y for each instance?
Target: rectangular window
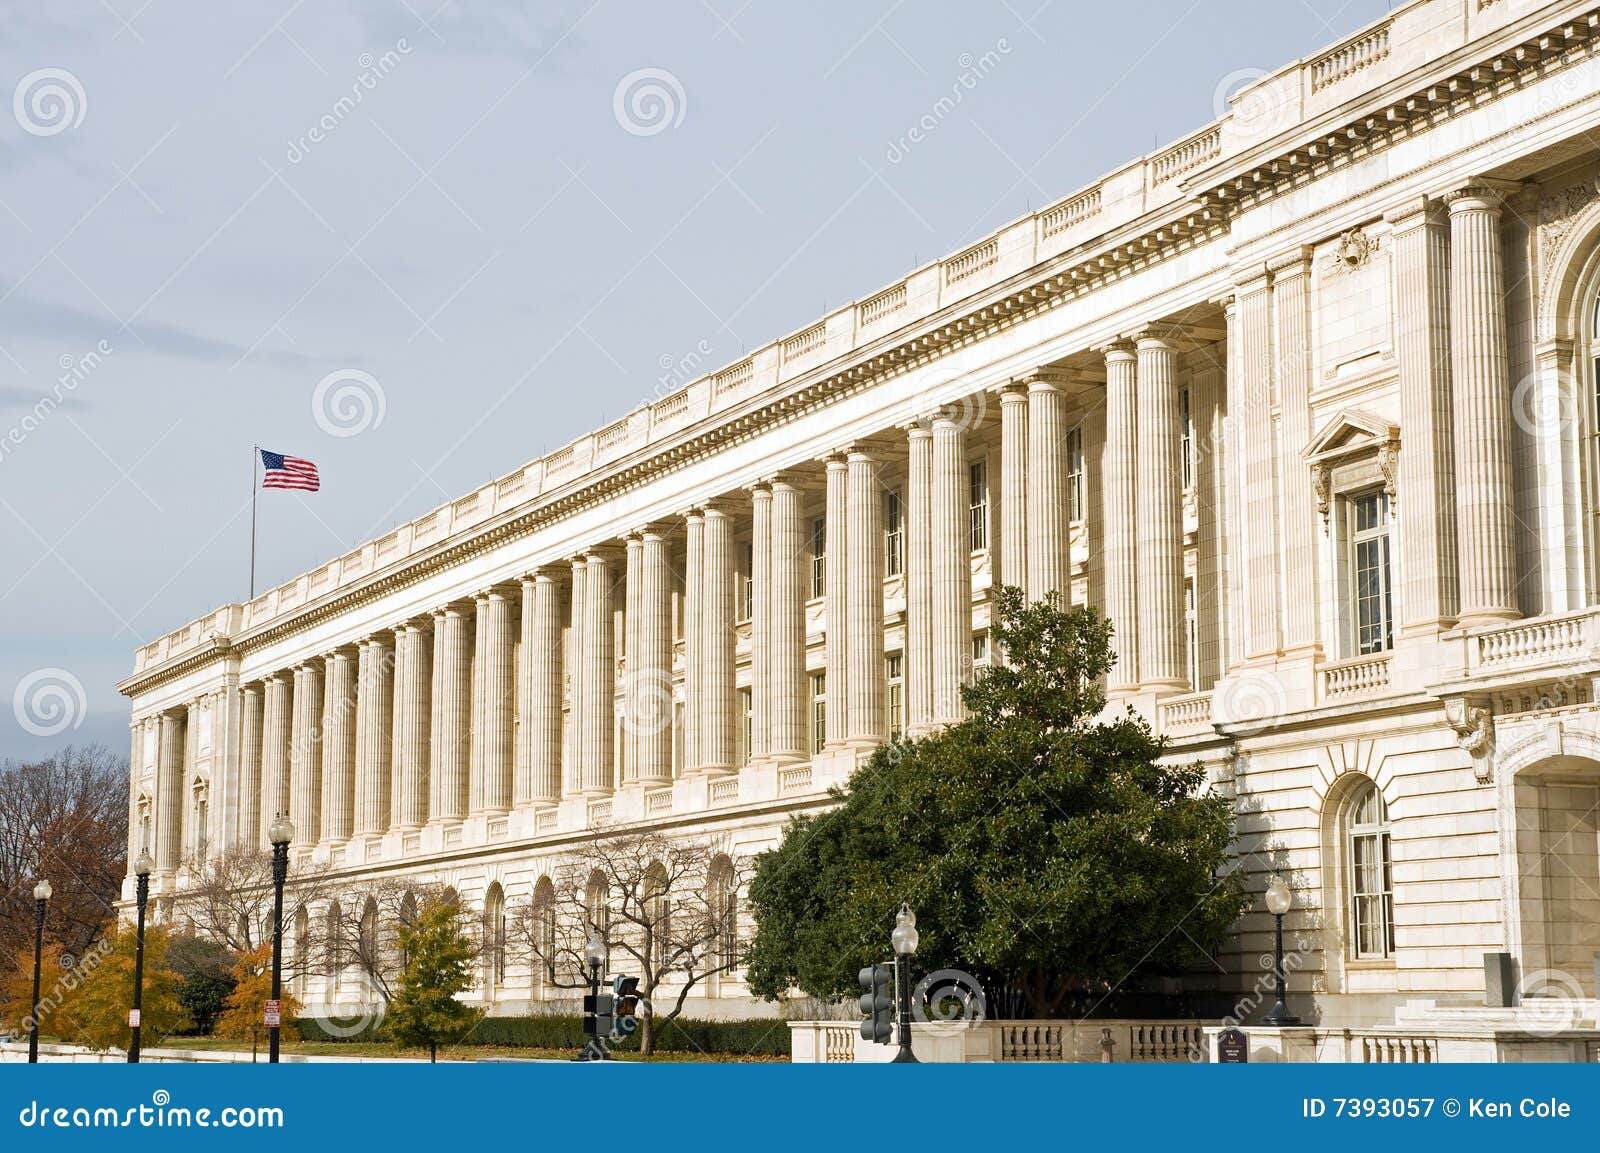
(978, 506)
(1369, 572)
(1186, 435)
(1191, 636)
(677, 739)
(746, 726)
(1075, 474)
(894, 534)
(819, 711)
(819, 556)
(980, 649)
(747, 586)
(894, 669)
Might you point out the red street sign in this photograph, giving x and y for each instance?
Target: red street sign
(133, 1018)
(274, 1014)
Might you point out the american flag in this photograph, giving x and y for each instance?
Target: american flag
(289, 472)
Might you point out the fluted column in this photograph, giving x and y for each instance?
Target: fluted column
(599, 678)
(305, 759)
(275, 745)
(717, 711)
(788, 679)
(952, 568)
(633, 704)
(865, 683)
(1292, 360)
(1258, 511)
(170, 791)
(836, 574)
(476, 759)
(339, 706)
(496, 697)
(651, 702)
(1119, 499)
(760, 622)
(1420, 257)
(452, 771)
(693, 666)
(1049, 557)
(918, 653)
(1159, 510)
(1014, 486)
(250, 749)
(572, 771)
(375, 737)
(412, 773)
(539, 760)
(1480, 377)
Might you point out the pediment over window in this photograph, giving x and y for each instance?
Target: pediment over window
(1353, 449)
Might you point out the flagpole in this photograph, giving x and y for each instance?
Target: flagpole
(255, 488)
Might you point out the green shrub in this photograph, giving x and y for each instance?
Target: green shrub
(760, 1037)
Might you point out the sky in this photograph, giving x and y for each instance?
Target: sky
(423, 244)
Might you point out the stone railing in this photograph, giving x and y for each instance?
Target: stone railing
(1357, 677)
(1188, 715)
(971, 262)
(806, 342)
(1011, 1042)
(735, 378)
(1396, 1049)
(1350, 57)
(1188, 154)
(882, 305)
(1074, 211)
(794, 779)
(1538, 641)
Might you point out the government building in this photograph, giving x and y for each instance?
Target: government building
(1305, 402)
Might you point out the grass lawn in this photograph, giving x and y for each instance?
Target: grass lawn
(457, 1053)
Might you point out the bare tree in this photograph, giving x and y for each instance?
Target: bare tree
(365, 934)
(229, 899)
(64, 818)
(668, 907)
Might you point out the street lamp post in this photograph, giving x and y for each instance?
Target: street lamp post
(41, 898)
(1280, 899)
(904, 940)
(142, 866)
(594, 956)
(279, 835)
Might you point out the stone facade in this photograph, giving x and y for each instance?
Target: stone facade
(1305, 402)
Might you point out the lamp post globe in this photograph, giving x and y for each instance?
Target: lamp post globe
(143, 866)
(1280, 899)
(279, 834)
(904, 940)
(594, 951)
(41, 898)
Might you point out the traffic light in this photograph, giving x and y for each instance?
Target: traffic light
(877, 1002)
(625, 990)
(597, 1011)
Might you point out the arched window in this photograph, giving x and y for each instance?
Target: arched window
(494, 931)
(335, 953)
(544, 931)
(1368, 876)
(367, 936)
(658, 914)
(723, 898)
(302, 949)
(597, 907)
(408, 917)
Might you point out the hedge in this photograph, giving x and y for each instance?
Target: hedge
(761, 1037)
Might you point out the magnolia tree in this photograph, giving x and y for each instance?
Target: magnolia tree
(666, 910)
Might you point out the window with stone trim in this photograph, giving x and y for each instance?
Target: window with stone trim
(1186, 436)
(747, 585)
(894, 534)
(1191, 635)
(746, 725)
(1075, 474)
(819, 711)
(819, 556)
(894, 674)
(978, 505)
(1369, 882)
(494, 931)
(1371, 604)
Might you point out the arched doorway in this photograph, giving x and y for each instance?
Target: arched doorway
(1557, 805)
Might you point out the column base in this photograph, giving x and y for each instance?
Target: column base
(1487, 617)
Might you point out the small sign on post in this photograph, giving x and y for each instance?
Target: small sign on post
(1233, 1047)
(133, 1018)
(274, 1014)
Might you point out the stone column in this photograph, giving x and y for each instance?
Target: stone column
(652, 684)
(634, 703)
(1426, 511)
(918, 654)
(497, 636)
(572, 774)
(339, 707)
(864, 676)
(375, 738)
(436, 725)
(1258, 512)
(1480, 377)
(599, 678)
(836, 575)
(475, 727)
(1159, 509)
(250, 749)
(790, 700)
(452, 772)
(275, 744)
(305, 758)
(411, 777)
(1013, 552)
(1094, 514)
(1120, 547)
(760, 622)
(1291, 309)
(693, 666)
(949, 545)
(170, 800)
(539, 764)
(717, 717)
(1211, 504)
(1049, 550)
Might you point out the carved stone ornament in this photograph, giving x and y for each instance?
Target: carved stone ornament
(1558, 210)
(1473, 725)
(1353, 249)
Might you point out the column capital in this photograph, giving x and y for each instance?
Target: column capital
(1416, 213)
(787, 479)
(603, 554)
(1014, 391)
(1249, 278)
(918, 429)
(1286, 265)
(1481, 194)
(864, 452)
(1039, 379)
(1159, 335)
(1118, 348)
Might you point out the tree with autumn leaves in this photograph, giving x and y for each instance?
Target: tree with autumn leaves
(439, 952)
(244, 1011)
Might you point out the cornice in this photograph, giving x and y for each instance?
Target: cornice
(1217, 191)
